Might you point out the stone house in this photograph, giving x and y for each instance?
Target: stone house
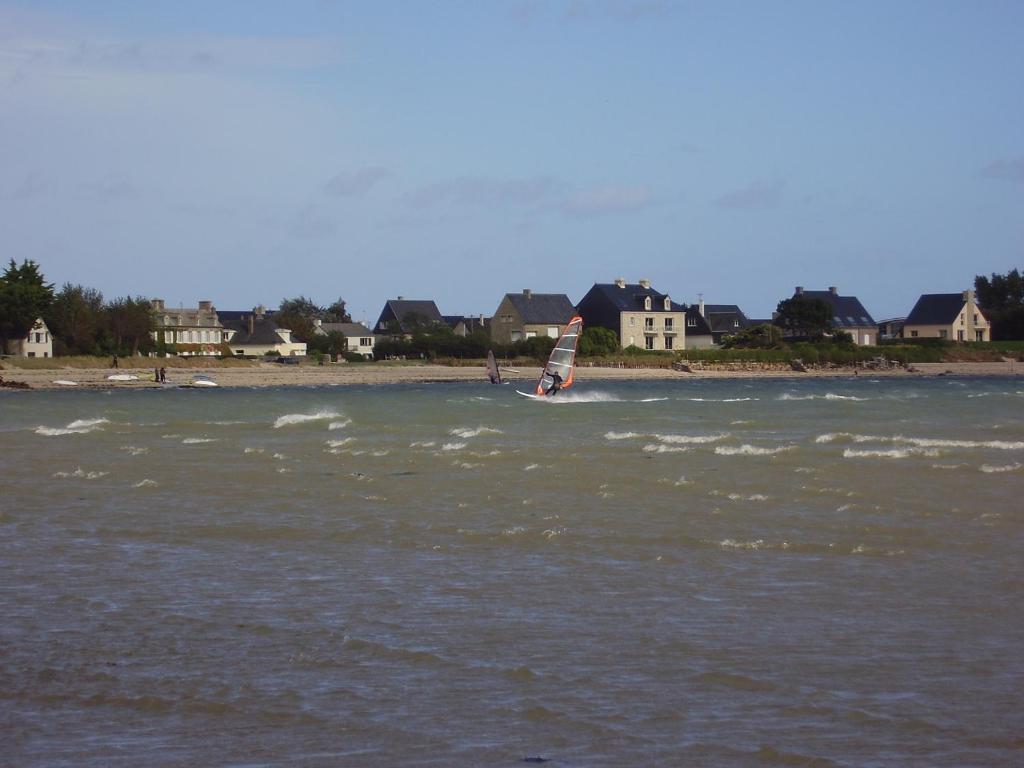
(526, 315)
(192, 331)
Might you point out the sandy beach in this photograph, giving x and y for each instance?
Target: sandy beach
(274, 375)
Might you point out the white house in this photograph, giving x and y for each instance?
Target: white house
(38, 342)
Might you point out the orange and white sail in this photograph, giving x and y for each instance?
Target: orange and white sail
(563, 358)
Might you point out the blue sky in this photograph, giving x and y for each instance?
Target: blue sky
(249, 151)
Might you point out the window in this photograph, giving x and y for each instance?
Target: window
(913, 334)
(959, 335)
(553, 332)
(39, 338)
(669, 325)
(979, 335)
(649, 342)
(365, 342)
(668, 342)
(647, 303)
(975, 319)
(735, 323)
(31, 354)
(648, 323)
(943, 334)
(691, 322)
(668, 304)
(632, 321)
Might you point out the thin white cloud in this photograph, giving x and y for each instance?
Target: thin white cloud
(484, 191)
(760, 195)
(1006, 169)
(356, 183)
(609, 199)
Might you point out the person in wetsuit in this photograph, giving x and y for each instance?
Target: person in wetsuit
(556, 384)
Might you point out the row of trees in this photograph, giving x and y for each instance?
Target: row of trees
(80, 321)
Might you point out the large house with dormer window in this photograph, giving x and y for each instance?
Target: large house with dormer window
(191, 331)
(848, 314)
(639, 315)
(37, 343)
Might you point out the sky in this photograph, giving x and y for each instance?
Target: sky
(250, 151)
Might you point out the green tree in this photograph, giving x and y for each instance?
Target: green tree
(75, 318)
(331, 343)
(24, 298)
(1002, 300)
(129, 322)
(803, 317)
(764, 336)
(336, 313)
(598, 341)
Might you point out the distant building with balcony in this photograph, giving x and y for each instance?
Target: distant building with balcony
(639, 315)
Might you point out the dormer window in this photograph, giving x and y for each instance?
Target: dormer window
(668, 304)
(647, 303)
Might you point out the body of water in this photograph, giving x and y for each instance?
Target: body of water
(740, 572)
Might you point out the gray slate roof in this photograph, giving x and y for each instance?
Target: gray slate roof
(543, 308)
(723, 318)
(399, 309)
(350, 330)
(936, 309)
(847, 311)
(264, 329)
(631, 297)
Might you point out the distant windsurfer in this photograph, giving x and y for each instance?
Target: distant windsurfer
(556, 384)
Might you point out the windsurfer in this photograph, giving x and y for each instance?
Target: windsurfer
(556, 384)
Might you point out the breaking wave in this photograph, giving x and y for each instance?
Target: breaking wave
(78, 427)
(826, 396)
(921, 442)
(198, 440)
(751, 450)
(989, 469)
(890, 453)
(467, 432)
(81, 473)
(655, 448)
(291, 419)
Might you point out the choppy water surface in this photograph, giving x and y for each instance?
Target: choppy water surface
(665, 573)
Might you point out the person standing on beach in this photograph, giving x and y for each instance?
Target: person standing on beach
(163, 374)
(113, 363)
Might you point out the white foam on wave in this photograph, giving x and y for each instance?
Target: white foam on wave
(921, 442)
(198, 440)
(145, 483)
(291, 419)
(751, 450)
(889, 453)
(453, 446)
(754, 544)
(254, 450)
(82, 474)
(622, 435)
(531, 467)
(989, 469)
(721, 400)
(568, 398)
(339, 424)
(656, 448)
(227, 423)
(422, 444)
(134, 450)
(652, 400)
(682, 481)
(751, 497)
(77, 427)
(691, 439)
(467, 465)
(467, 432)
(339, 443)
(826, 396)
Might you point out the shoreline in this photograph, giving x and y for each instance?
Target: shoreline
(352, 374)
